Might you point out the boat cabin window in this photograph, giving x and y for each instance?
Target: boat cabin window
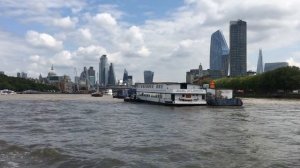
(183, 85)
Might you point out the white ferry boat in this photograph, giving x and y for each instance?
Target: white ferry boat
(7, 92)
(171, 93)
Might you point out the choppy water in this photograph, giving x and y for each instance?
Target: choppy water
(40, 131)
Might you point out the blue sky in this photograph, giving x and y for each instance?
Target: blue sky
(168, 37)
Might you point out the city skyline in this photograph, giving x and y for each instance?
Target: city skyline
(170, 37)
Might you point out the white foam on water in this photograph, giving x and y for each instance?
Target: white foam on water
(13, 164)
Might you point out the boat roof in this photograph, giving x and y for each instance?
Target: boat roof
(168, 83)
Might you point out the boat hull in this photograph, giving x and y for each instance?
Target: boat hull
(225, 102)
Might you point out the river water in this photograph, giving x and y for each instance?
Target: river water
(66, 131)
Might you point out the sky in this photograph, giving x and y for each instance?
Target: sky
(168, 37)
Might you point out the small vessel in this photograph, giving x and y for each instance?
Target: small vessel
(97, 94)
(219, 97)
(7, 92)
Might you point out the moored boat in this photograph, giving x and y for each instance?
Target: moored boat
(7, 92)
(170, 93)
(222, 97)
(97, 94)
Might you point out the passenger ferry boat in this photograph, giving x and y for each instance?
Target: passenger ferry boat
(170, 93)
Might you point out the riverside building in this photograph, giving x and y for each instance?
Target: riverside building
(238, 48)
(275, 65)
(219, 52)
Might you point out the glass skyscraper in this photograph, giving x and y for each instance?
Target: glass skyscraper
(238, 48)
(219, 52)
(111, 75)
(92, 76)
(125, 77)
(103, 71)
(148, 76)
(260, 68)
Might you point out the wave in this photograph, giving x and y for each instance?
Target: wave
(53, 154)
(14, 155)
(36, 156)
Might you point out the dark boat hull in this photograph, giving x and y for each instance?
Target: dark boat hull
(225, 102)
(97, 94)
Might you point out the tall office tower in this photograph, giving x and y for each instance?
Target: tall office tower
(84, 74)
(219, 52)
(111, 75)
(238, 48)
(130, 81)
(260, 68)
(125, 77)
(148, 76)
(103, 71)
(92, 76)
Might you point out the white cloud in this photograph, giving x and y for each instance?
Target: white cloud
(95, 51)
(143, 51)
(43, 40)
(34, 58)
(37, 8)
(292, 62)
(104, 20)
(63, 58)
(86, 33)
(112, 9)
(66, 22)
(134, 33)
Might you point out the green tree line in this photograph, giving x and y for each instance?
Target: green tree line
(20, 84)
(286, 79)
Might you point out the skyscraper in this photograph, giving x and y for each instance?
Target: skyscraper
(130, 80)
(219, 52)
(103, 71)
(125, 77)
(260, 68)
(238, 48)
(148, 76)
(92, 76)
(111, 75)
(84, 77)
